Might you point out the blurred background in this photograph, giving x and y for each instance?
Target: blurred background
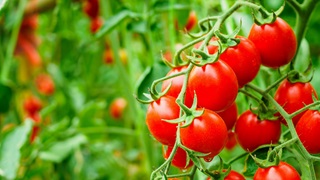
(71, 70)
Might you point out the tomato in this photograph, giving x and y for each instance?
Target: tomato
(32, 105)
(232, 141)
(29, 51)
(252, 132)
(215, 85)
(233, 175)
(165, 108)
(192, 21)
(283, 171)
(176, 82)
(230, 115)
(45, 84)
(276, 43)
(206, 134)
(180, 158)
(96, 23)
(36, 128)
(308, 131)
(294, 96)
(117, 107)
(244, 59)
(91, 8)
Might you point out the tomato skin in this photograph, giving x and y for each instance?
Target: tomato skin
(230, 115)
(294, 96)
(117, 107)
(45, 84)
(233, 175)
(32, 105)
(308, 131)
(206, 134)
(252, 132)
(283, 171)
(176, 82)
(276, 43)
(95, 25)
(232, 141)
(192, 21)
(244, 59)
(162, 109)
(180, 158)
(91, 8)
(216, 89)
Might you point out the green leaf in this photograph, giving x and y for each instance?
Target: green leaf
(157, 71)
(10, 149)
(60, 150)
(250, 165)
(114, 21)
(5, 96)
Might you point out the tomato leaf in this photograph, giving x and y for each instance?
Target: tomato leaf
(62, 149)
(250, 165)
(10, 149)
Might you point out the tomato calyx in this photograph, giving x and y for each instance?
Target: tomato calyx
(303, 77)
(266, 17)
(272, 159)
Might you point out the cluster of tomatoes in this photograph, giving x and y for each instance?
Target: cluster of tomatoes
(209, 109)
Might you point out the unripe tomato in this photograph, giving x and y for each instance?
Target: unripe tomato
(45, 84)
(252, 132)
(283, 171)
(176, 82)
(294, 96)
(117, 107)
(308, 131)
(32, 105)
(180, 158)
(230, 116)
(276, 43)
(165, 108)
(206, 134)
(215, 85)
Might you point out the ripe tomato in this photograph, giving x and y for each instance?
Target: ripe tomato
(206, 134)
(117, 107)
(36, 128)
(308, 131)
(180, 158)
(96, 23)
(192, 21)
(252, 132)
(232, 141)
(233, 175)
(294, 96)
(27, 49)
(32, 105)
(91, 8)
(283, 171)
(276, 43)
(45, 84)
(162, 109)
(230, 116)
(215, 85)
(176, 82)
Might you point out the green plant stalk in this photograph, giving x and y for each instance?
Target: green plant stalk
(13, 41)
(172, 31)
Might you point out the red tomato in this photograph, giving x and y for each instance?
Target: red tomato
(192, 21)
(276, 43)
(176, 82)
(32, 105)
(45, 84)
(308, 131)
(215, 85)
(230, 116)
(180, 158)
(252, 132)
(294, 96)
(96, 23)
(283, 171)
(206, 134)
(162, 109)
(233, 175)
(28, 50)
(232, 141)
(91, 8)
(36, 128)
(117, 107)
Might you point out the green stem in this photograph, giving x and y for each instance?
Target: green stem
(287, 143)
(304, 108)
(13, 41)
(236, 158)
